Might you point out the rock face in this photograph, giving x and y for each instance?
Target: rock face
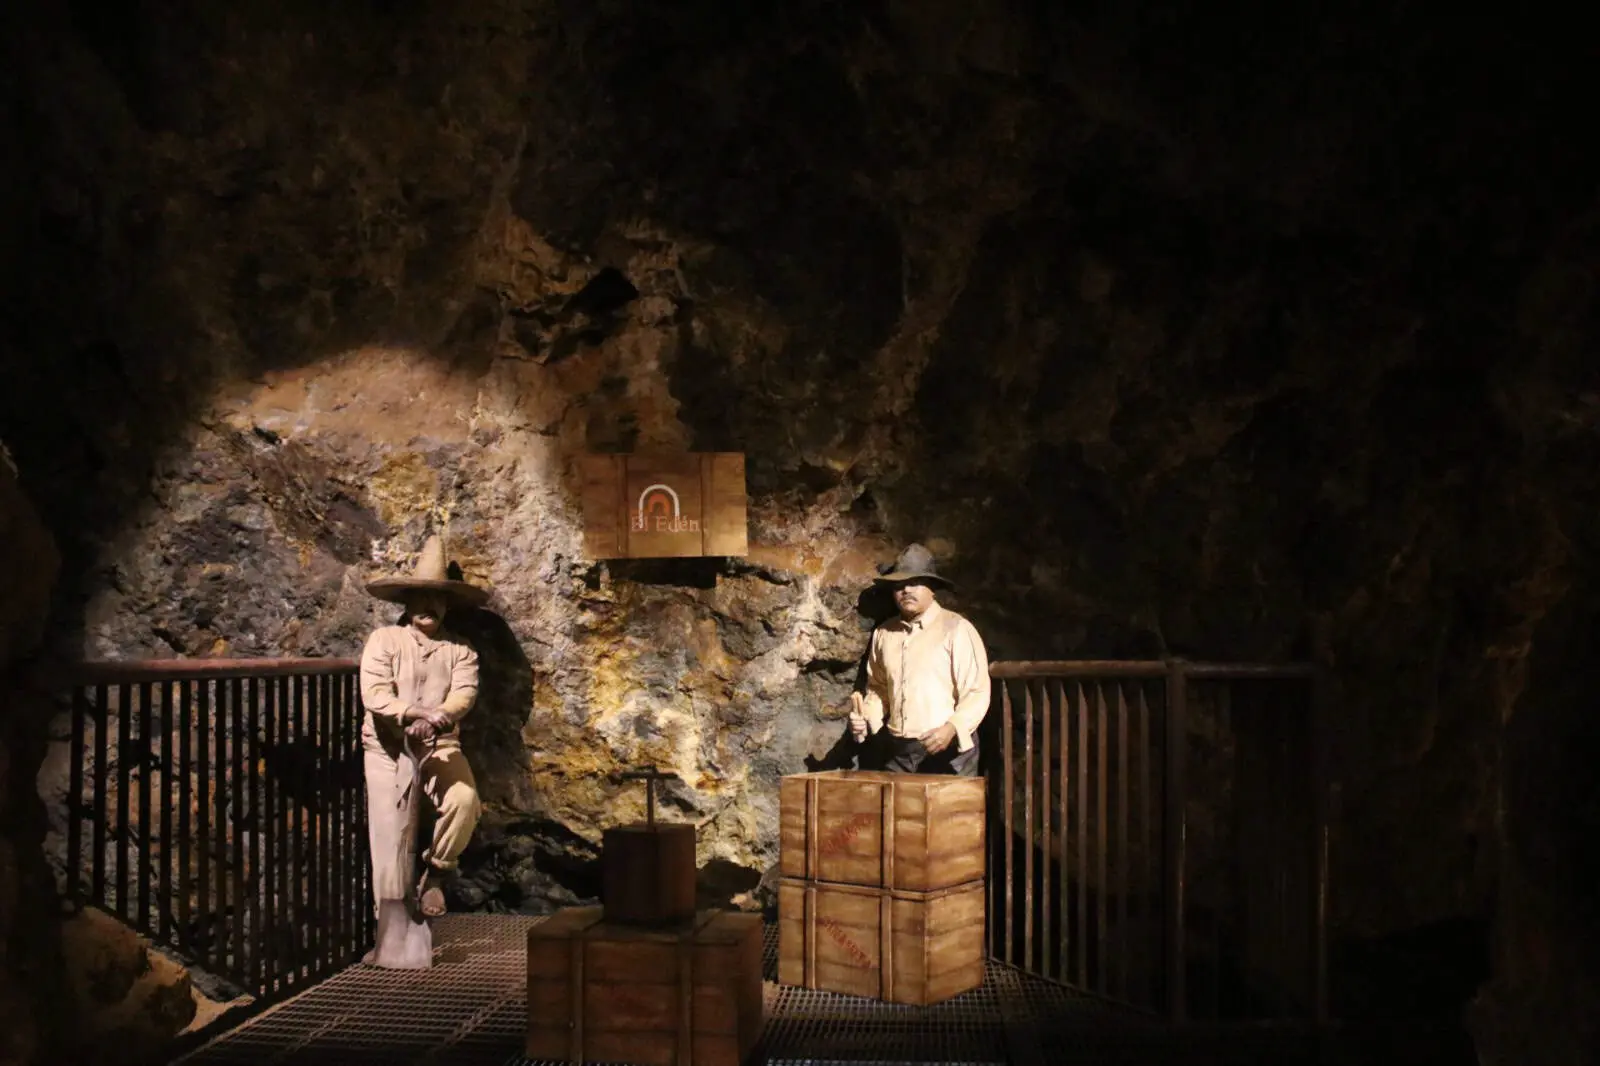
(1287, 361)
(31, 1016)
(129, 1002)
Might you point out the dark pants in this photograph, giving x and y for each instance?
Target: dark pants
(906, 755)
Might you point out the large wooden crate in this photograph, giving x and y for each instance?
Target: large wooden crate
(914, 832)
(601, 991)
(664, 505)
(902, 947)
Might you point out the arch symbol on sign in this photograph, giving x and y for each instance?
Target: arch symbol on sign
(658, 500)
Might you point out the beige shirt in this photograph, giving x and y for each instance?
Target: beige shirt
(925, 673)
(401, 668)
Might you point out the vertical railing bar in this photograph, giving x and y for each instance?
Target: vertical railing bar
(253, 789)
(1322, 788)
(269, 832)
(341, 858)
(1123, 857)
(297, 842)
(220, 788)
(353, 798)
(146, 823)
(288, 916)
(243, 810)
(124, 828)
(1047, 946)
(367, 912)
(1085, 874)
(1174, 837)
(102, 780)
(1064, 881)
(1102, 841)
(308, 823)
(1029, 840)
(324, 817)
(202, 725)
(346, 812)
(1294, 730)
(349, 797)
(324, 852)
(338, 886)
(1147, 879)
(168, 799)
(1008, 807)
(1215, 964)
(75, 803)
(185, 804)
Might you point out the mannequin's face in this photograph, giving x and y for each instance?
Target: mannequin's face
(912, 600)
(427, 610)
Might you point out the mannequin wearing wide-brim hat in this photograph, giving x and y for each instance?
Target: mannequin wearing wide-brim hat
(927, 676)
(417, 682)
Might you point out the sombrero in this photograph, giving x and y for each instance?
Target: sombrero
(429, 575)
(914, 565)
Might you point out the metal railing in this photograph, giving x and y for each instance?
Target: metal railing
(1159, 834)
(217, 807)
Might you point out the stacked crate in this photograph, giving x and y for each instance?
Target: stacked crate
(645, 978)
(882, 891)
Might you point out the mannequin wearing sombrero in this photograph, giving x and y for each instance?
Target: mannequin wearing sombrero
(417, 682)
(927, 677)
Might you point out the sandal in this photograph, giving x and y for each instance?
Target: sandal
(430, 894)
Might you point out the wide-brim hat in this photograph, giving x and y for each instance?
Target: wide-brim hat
(914, 565)
(431, 574)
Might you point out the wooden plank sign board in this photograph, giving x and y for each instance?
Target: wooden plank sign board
(663, 506)
(677, 995)
(900, 947)
(915, 832)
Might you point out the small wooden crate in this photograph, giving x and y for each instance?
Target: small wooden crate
(902, 947)
(833, 828)
(688, 995)
(648, 873)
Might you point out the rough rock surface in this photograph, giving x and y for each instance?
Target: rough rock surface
(1171, 339)
(129, 1002)
(31, 1017)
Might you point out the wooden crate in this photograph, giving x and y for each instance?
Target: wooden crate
(664, 506)
(688, 995)
(914, 832)
(902, 947)
(648, 873)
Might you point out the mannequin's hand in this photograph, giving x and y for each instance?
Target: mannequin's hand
(858, 719)
(936, 740)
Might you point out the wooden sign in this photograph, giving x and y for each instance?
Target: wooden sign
(664, 506)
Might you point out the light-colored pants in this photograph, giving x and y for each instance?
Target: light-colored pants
(393, 809)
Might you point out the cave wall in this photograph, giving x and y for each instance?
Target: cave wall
(30, 959)
(1170, 338)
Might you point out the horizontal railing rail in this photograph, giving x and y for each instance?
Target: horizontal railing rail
(1094, 858)
(217, 806)
(1009, 670)
(133, 671)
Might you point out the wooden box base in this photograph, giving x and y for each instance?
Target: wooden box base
(688, 995)
(901, 947)
(648, 873)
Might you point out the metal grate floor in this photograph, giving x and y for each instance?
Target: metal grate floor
(470, 1010)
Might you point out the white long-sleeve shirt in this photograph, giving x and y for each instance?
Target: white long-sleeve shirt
(401, 668)
(924, 673)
